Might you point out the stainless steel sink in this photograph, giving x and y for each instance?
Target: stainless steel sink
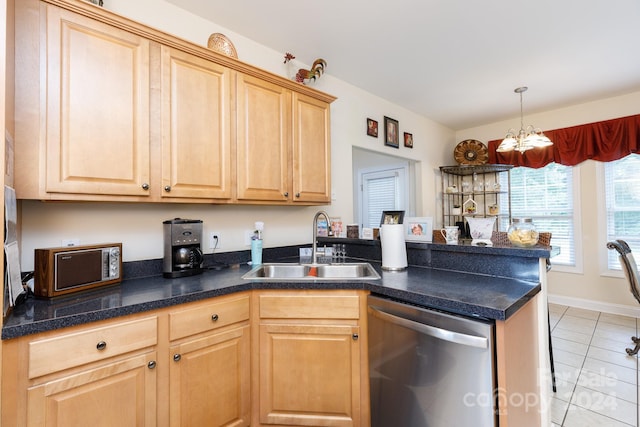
(310, 272)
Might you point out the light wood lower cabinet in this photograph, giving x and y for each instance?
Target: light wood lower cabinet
(312, 361)
(120, 393)
(100, 375)
(209, 374)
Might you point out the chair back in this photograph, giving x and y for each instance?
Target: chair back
(629, 265)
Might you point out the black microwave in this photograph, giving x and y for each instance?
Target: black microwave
(64, 270)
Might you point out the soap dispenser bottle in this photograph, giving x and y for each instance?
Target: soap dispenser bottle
(256, 244)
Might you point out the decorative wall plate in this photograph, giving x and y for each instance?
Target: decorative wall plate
(220, 43)
(471, 152)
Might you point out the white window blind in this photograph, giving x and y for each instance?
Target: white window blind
(546, 196)
(622, 195)
(381, 191)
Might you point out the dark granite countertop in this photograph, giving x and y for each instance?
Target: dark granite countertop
(478, 295)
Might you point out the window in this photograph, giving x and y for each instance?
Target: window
(381, 190)
(622, 201)
(546, 195)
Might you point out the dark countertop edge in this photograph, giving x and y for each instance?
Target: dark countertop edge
(433, 302)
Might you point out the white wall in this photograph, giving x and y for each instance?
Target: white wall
(139, 226)
(587, 288)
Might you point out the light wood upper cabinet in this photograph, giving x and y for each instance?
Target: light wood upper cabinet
(311, 150)
(97, 107)
(107, 109)
(283, 144)
(263, 141)
(196, 139)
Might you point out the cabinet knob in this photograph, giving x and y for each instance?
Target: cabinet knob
(145, 186)
(177, 357)
(355, 337)
(101, 345)
(286, 194)
(151, 364)
(298, 195)
(167, 188)
(214, 317)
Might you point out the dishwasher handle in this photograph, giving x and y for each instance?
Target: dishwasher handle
(443, 334)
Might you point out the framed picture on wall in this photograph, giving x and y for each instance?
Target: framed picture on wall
(408, 140)
(372, 128)
(391, 134)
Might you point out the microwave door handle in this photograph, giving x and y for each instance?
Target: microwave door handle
(443, 334)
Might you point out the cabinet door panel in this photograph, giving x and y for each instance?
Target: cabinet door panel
(311, 150)
(264, 117)
(97, 107)
(196, 141)
(309, 375)
(210, 384)
(118, 394)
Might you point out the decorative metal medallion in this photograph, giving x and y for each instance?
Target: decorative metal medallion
(471, 152)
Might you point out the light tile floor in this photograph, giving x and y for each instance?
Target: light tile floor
(597, 382)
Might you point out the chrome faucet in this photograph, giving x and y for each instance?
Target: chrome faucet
(314, 247)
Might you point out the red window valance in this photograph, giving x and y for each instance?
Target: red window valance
(603, 141)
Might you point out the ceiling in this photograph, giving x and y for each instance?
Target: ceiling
(453, 61)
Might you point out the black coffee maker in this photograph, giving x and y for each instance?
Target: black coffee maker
(182, 250)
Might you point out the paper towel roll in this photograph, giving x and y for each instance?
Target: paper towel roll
(394, 249)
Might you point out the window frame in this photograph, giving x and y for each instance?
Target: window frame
(578, 267)
(603, 226)
(404, 187)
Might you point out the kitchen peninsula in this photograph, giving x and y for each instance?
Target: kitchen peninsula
(152, 336)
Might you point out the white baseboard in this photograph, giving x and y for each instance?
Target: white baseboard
(623, 310)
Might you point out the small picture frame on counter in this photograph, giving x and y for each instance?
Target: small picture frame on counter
(392, 217)
(418, 229)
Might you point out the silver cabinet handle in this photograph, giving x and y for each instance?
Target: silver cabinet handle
(101, 345)
(145, 186)
(214, 317)
(177, 357)
(151, 364)
(443, 334)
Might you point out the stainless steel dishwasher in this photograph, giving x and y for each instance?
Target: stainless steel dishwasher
(429, 368)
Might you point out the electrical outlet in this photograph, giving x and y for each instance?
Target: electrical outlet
(215, 240)
(70, 242)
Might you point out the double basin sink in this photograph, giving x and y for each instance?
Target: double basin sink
(310, 272)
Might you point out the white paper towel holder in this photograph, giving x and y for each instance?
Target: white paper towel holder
(394, 249)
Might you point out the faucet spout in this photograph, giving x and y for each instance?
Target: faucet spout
(314, 246)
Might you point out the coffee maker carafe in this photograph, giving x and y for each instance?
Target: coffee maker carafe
(182, 251)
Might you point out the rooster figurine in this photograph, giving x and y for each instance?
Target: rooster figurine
(313, 73)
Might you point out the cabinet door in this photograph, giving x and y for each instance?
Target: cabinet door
(196, 141)
(97, 100)
(309, 375)
(122, 393)
(263, 140)
(209, 381)
(311, 150)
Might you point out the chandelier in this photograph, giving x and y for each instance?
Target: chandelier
(526, 138)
